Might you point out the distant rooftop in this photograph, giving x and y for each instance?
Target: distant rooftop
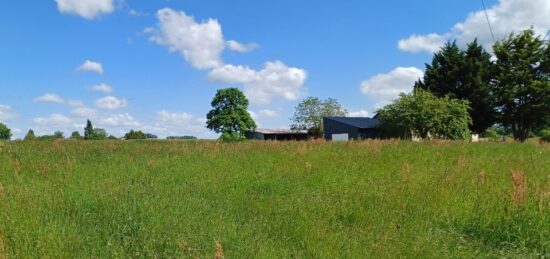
(359, 122)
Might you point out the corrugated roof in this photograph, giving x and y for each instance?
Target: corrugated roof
(278, 131)
(359, 122)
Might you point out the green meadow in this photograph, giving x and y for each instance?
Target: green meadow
(371, 199)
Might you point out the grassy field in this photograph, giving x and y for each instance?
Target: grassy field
(264, 199)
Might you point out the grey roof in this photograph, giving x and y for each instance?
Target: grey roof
(358, 122)
(279, 131)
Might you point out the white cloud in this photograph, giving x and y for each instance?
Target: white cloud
(49, 98)
(359, 113)
(419, 43)
(53, 120)
(241, 47)
(200, 43)
(103, 88)
(119, 120)
(91, 66)
(84, 112)
(88, 9)
(276, 79)
(171, 118)
(383, 88)
(111, 103)
(507, 16)
(6, 113)
(75, 103)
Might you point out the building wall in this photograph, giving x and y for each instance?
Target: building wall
(333, 127)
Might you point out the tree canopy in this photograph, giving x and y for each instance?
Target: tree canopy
(229, 114)
(523, 83)
(423, 114)
(466, 75)
(135, 135)
(310, 111)
(30, 135)
(5, 132)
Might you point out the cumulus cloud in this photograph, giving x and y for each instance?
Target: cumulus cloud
(383, 88)
(6, 113)
(88, 9)
(241, 47)
(200, 43)
(179, 124)
(75, 103)
(49, 98)
(420, 43)
(359, 113)
(53, 120)
(103, 88)
(83, 112)
(276, 79)
(90, 66)
(173, 118)
(119, 120)
(111, 103)
(507, 16)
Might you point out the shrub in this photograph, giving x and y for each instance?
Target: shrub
(135, 135)
(545, 136)
(232, 137)
(5, 132)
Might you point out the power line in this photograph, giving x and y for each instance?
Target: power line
(488, 22)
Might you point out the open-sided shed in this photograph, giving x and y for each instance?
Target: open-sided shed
(277, 134)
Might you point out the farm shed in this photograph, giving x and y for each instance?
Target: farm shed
(346, 128)
(277, 134)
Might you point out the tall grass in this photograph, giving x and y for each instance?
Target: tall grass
(268, 199)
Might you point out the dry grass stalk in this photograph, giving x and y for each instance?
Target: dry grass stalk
(405, 171)
(219, 251)
(482, 177)
(2, 248)
(519, 179)
(1, 190)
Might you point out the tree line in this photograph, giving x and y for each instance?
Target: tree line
(469, 90)
(463, 91)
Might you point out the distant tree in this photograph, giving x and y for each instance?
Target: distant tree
(58, 135)
(422, 114)
(98, 134)
(30, 135)
(229, 114)
(5, 132)
(111, 137)
(309, 114)
(151, 136)
(135, 135)
(523, 83)
(76, 135)
(88, 130)
(465, 75)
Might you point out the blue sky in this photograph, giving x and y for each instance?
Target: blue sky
(155, 65)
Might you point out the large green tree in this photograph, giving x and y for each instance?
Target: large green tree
(309, 113)
(467, 75)
(229, 114)
(5, 132)
(423, 114)
(523, 83)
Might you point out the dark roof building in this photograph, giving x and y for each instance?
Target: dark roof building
(277, 134)
(346, 128)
